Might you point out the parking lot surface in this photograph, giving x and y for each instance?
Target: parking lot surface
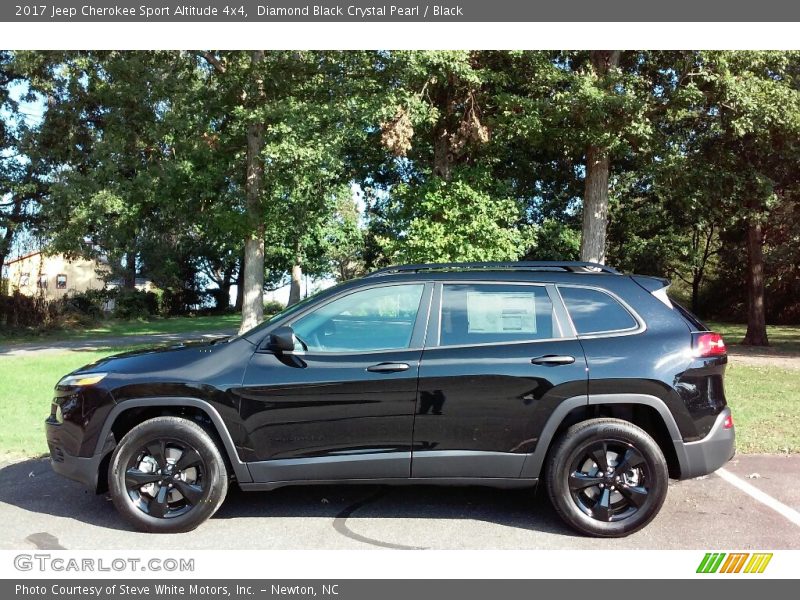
(41, 510)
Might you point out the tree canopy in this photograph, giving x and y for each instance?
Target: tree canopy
(205, 169)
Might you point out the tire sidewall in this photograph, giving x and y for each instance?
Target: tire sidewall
(170, 428)
(574, 442)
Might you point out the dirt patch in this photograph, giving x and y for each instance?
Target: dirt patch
(762, 357)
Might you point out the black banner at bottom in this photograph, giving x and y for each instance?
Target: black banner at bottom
(598, 585)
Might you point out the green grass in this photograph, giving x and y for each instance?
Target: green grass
(765, 402)
(783, 339)
(26, 388)
(116, 328)
(766, 408)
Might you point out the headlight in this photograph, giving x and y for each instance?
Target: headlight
(81, 379)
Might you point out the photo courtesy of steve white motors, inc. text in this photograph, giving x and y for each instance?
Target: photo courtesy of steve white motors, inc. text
(139, 590)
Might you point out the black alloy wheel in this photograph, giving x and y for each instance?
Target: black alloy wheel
(167, 475)
(166, 478)
(609, 480)
(606, 477)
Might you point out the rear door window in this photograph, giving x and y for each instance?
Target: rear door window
(593, 311)
(492, 313)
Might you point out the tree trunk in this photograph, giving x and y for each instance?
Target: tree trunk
(240, 285)
(224, 298)
(756, 317)
(129, 280)
(12, 222)
(595, 206)
(598, 164)
(253, 297)
(696, 278)
(297, 277)
(253, 284)
(441, 154)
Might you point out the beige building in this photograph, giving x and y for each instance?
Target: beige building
(52, 276)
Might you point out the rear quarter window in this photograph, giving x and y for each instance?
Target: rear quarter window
(593, 311)
(691, 320)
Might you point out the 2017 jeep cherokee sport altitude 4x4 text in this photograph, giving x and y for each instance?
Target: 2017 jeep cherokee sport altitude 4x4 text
(496, 374)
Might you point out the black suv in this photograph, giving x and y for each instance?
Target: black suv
(496, 374)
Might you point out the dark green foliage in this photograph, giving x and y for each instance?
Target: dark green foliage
(454, 155)
(135, 304)
(272, 307)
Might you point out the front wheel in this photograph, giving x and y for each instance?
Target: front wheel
(607, 477)
(167, 476)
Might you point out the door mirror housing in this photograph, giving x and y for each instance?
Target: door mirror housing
(281, 340)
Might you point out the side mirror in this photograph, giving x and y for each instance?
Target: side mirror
(281, 340)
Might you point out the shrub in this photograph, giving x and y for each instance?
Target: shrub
(19, 310)
(88, 304)
(135, 304)
(272, 307)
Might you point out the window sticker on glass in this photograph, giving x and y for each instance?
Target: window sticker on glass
(506, 312)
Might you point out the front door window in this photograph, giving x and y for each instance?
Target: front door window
(375, 319)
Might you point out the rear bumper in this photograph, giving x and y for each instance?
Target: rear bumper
(84, 470)
(710, 453)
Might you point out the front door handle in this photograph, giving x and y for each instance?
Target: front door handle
(388, 367)
(553, 360)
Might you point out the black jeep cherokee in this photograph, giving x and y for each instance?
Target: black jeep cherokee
(493, 374)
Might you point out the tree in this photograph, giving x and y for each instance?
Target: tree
(751, 103)
(432, 193)
(578, 113)
(103, 139)
(595, 198)
(343, 238)
(21, 183)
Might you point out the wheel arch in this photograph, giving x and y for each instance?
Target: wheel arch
(644, 410)
(129, 413)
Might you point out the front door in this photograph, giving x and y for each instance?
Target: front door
(341, 406)
(497, 363)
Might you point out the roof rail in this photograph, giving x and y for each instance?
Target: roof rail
(526, 265)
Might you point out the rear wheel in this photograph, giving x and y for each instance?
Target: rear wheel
(607, 477)
(167, 475)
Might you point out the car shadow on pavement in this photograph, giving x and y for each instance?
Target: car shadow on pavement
(31, 485)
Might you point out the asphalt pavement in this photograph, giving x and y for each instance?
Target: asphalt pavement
(41, 510)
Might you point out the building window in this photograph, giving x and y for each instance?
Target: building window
(42, 282)
(24, 279)
(61, 282)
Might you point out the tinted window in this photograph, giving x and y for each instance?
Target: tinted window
(483, 314)
(375, 319)
(593, 311)
(694, 323)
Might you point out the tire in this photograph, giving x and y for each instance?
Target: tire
(616, 502)
(167, 476)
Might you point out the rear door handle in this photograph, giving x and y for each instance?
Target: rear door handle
(553, 360)
(388, 367)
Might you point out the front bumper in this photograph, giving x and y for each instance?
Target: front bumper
(710, 453)
(78, 468)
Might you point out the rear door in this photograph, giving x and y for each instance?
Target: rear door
(498, 358)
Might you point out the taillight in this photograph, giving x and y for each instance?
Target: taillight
(728, 422)
(708, 343)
